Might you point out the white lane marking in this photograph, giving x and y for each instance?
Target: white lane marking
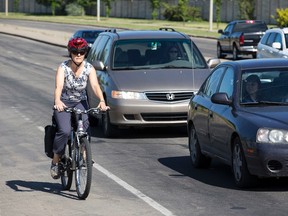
(134, 191)
(130, 188)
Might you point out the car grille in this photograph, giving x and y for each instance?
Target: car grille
(164, 116)
(169, 96)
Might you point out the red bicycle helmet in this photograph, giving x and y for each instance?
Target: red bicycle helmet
(77, 45)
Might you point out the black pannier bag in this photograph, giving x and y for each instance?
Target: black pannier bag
(50, 131)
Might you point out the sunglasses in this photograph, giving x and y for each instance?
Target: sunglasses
(77, 53)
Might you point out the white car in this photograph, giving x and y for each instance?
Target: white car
(274, 44)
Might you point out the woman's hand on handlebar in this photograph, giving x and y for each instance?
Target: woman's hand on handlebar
(60, 106)
(102, 106)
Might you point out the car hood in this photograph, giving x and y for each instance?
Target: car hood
(268, 116)
(159, 80)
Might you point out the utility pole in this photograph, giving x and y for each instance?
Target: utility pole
(211, 16)
(98, 10)
(6, 7)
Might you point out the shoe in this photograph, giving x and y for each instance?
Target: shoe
(54, 170)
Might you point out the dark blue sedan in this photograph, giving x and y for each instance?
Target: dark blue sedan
(89, 35)
(240, 116)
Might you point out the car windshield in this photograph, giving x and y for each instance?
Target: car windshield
(286, 40)
(262, 87)
(156, 54)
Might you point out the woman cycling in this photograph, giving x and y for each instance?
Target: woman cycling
(72, 77)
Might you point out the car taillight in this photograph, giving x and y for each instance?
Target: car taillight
(241, 40)
(250, 21)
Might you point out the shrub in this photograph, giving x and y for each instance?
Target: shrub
(74, 10)
(282, 17)
(175, 13)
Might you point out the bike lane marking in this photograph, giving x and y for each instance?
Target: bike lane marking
(134, 191)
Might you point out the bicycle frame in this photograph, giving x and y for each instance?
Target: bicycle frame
(77, 157)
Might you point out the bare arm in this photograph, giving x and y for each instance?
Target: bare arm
(96, 89)
(59, 83)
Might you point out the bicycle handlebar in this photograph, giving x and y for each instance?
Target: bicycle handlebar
(79, 111)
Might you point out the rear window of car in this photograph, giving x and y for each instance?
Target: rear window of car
(155, 53)
(250, 27)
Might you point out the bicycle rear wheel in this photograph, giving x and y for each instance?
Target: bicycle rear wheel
(83, 173)
(67, 173)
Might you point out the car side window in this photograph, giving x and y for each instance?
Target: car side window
(271, 39)
(278, 39)
(212, 83)
(227, 83)
(228, 29)
(265, 38)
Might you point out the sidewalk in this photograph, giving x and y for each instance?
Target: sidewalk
(51, 37)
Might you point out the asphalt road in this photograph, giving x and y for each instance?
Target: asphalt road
(142, 172)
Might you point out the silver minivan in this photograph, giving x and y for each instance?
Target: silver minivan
(141, 82)
(274, 44)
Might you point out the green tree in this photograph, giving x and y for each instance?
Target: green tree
(107, 6)
(54, 4)
(247, 8)
(218, 4)
(155, 5)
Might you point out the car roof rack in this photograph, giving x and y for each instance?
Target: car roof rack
(113, 30)
(166, 29)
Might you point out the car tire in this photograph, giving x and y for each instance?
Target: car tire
(108, 129)
(235, 52)
(219, 52)
(197, 158)
(242, 177)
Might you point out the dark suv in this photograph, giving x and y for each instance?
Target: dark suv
(147, 77)
(240, 37)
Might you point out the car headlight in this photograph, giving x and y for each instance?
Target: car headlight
(266, 135)
(128, 95)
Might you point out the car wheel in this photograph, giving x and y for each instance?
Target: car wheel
(242, 177)
(235, 53)
(107, 128)
(197, 158)
(219, 52)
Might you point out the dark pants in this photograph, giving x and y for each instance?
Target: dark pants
(63, 120)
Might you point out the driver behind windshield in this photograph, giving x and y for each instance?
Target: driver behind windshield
(252, 85)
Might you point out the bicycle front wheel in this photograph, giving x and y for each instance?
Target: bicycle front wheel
(83, 174)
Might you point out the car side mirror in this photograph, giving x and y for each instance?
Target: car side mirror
(221, 98)
(99, 65)
(220, 31)
(276, 45)
(213, 62)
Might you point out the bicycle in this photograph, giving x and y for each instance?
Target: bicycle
(77, 157)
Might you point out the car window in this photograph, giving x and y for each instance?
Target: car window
(286, 40)
(265, 38)
(228, 28)
(271, 39)
(269, 86)
(211, 84)
(278, 39)
(156, 53)
(227, 82)
(250, 27)
(100, 47)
